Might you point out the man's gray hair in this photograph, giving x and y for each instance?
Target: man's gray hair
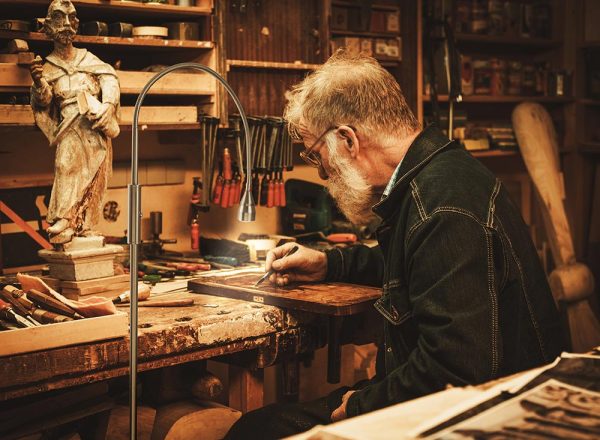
(351, 90)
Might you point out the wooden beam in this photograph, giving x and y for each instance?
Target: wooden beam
(246, 392)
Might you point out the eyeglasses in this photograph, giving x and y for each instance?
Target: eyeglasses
(313, 158)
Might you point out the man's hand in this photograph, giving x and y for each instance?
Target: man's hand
(103, 117)
(36, 68)
(340, 411)
(303, 265)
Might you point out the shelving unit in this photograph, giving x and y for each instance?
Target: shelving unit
(177, 92)
(133, 9)
(271, 65)
(487, 99)
(133, 43)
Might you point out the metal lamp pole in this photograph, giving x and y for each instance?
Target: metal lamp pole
(246, 213)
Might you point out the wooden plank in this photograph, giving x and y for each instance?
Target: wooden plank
(271, 65)
(22, 115)
(503, 99)
(246, 388)
(336, 299)
(196, 84)
(25, 340)
(203, 7)
(85, 40)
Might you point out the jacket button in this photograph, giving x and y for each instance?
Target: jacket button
(389, 349)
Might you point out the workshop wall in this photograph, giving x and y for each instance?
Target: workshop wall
(28, 159)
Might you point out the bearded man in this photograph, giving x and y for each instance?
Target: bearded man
(464, 297)
(83, 160)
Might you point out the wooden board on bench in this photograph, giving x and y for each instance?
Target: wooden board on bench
(336, 299)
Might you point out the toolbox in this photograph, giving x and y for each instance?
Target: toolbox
(44, 337)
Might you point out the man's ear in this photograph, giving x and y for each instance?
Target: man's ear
(350, 139)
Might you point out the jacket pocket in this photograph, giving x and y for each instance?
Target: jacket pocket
(393, 304)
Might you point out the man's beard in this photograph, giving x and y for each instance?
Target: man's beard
(352, 193)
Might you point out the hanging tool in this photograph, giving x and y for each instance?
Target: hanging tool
(439, 31)
(218, 190)
(227, 176)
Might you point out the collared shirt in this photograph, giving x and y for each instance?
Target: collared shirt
(392, 182)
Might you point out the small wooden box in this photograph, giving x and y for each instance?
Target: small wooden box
(44, 337)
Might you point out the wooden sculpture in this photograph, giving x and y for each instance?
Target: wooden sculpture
(75, 99)
(572, 283)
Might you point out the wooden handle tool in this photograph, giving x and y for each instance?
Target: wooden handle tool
(168, 303)
(51, 304)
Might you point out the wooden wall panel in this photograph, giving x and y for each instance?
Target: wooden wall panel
(274, 30)
(262, 90)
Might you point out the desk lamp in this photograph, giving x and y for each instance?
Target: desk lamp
(247, 213)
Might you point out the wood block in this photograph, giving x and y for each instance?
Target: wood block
(17, 45)
(107, 287)
(25, 58)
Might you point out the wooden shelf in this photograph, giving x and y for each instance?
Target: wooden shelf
(131, 8)
(151, 118)
(346, 4)
(590, 102)
(503, 99)
(271, 65)
(342, 33)
(141, 43)
(501, 40)
(15, 78)
(494, 153)
(389, 63)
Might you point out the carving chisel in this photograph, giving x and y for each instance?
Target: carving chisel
(7, 313)
(49, 303)
(271, 272)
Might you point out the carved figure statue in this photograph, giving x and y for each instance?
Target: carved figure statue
(75, 101)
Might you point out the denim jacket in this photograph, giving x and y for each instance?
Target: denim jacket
(464, 297)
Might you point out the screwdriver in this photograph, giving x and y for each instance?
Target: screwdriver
(6, 312)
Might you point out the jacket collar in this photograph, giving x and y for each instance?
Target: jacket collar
(426, 145)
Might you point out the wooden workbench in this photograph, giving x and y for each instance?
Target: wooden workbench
(167, 336)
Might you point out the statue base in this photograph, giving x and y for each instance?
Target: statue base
(83, 258)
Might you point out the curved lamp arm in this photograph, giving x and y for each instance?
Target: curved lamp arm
(247, 213)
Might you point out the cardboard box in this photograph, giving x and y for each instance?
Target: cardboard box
(393, 48)
(352, 44)
(392, 21)
(380, 48)
(47, 336)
